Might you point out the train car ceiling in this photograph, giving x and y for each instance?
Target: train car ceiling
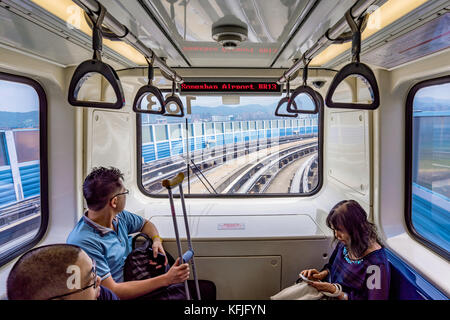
(183, 33)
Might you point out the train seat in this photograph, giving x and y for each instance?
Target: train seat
(407, 284)
(401, 288)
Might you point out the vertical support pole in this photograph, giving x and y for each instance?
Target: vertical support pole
(14, 163)
(187, 155)
(177, 235)
(188, 236)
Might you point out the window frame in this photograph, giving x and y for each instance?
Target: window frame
(408, 164)
(320, 151)
(12, 253)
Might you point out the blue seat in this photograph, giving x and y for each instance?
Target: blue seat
(401, 288)
(407, 284)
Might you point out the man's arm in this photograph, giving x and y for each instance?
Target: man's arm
(150, 229)
(133, 289)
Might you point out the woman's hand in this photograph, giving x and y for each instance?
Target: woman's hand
(323, 286)
(313, 274)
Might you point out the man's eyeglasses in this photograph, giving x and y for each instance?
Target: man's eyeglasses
(95, 284)
(125, 192)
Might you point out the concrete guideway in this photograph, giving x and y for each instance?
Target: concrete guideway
(281, 183)
(221, 176)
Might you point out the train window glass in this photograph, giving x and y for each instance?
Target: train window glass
(147, 134)
(175, 131)
(161, 132)
(244, 150)
(199, 129)
(209, 128)
(27, 145)
(23, 201)
(219, 127)
(3, 151)
(429, 196)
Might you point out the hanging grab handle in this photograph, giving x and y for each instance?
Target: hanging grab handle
(282, 102)
(355, 68)
(173, 100)
(95, 65)
(106, 33)
(314, 96)
(149, 91)
(347, 36)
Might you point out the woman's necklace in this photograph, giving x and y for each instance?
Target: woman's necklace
(347, 258)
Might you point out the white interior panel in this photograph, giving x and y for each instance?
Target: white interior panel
(111, 131)
(241, 227)
(242, 278)
(348, 149)
(254, 269)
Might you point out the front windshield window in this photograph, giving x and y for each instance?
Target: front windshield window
(238, 149)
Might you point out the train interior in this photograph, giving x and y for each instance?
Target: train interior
(258, 187)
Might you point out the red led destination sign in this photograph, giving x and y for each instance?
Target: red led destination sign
(230, 87)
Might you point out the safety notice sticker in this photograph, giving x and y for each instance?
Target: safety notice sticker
(231, 226)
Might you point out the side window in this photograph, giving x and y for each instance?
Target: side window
(428, 168)
(23, 166)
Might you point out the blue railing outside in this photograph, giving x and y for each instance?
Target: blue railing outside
(148, 152)
(176, 146)
(27, 183)
(30, 177)
(163, 149)
(429, 218)
(7, 193)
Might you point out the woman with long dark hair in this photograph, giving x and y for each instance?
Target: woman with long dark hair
(358, 269)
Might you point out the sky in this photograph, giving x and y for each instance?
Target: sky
(441, 92)
(18, 97)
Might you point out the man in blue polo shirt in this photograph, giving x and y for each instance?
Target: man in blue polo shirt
(103, 233)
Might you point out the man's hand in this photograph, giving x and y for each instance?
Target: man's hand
(323, 286)
(177, 273)
(158, 247)
(313, 274)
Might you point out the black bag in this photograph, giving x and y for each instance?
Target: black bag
(137, 265)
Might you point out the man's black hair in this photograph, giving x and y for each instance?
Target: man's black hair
(42, 272)
(99, 186)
